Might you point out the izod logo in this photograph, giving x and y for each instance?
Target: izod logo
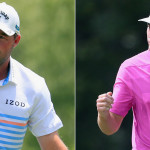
(16, 103)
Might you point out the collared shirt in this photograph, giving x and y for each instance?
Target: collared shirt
(25, 101)
(132, 90)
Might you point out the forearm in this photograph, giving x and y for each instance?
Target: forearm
(110, 123)
(51, 142)
(58, 146)
(54, 146)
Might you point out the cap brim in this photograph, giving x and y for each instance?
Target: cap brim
(145, 20)
(5, 29)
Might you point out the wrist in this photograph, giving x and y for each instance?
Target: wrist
(104, 115)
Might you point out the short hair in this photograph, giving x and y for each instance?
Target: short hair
(15, 35)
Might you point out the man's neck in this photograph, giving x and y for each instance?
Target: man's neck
(4, 70)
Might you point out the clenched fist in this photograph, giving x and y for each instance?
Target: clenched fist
(104, 103)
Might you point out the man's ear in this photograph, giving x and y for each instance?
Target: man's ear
(17, 39)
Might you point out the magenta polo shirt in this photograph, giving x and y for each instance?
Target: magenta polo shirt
(132, 90)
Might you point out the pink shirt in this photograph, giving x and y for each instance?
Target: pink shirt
(132, 90)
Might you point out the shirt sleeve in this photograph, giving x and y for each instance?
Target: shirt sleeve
(122, 92)
(43, 119)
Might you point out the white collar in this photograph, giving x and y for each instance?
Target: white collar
(13, 69)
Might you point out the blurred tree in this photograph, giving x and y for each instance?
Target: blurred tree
(107, 33)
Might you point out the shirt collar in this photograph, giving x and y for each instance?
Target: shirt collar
(12, 71)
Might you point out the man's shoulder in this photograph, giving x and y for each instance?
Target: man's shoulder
(138, 60)
(24, 74)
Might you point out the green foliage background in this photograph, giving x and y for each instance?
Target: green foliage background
(47, 47)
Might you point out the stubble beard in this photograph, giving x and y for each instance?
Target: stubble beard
(4, 59)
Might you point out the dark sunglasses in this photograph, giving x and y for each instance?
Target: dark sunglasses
(148, 25)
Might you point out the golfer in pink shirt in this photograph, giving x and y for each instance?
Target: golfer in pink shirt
(131, 90)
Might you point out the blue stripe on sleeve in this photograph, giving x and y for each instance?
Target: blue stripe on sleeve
(11, 137)
(7, 148)
(10, 143)
(13, 132)
(14, 117)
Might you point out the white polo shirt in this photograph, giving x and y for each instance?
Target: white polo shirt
(25, 101)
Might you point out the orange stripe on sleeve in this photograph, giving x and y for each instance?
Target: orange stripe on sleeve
(13, 123)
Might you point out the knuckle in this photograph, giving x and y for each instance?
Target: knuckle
(102, 95)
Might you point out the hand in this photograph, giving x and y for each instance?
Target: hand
(104, 103)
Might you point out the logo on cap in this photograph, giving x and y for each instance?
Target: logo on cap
(4, 14)
(17, 28)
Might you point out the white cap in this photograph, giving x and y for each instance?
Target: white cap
(9, 19)
(145, 19)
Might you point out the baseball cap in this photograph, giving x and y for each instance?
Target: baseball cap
(145, 19)
(9, 19)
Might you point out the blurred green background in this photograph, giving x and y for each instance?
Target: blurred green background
(47, 47)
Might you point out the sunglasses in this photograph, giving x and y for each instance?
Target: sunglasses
(148, 25)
